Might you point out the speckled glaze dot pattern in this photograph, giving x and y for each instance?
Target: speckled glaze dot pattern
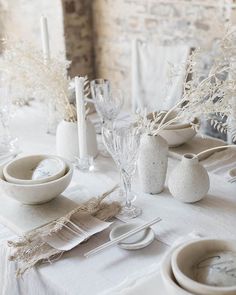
(152, 163)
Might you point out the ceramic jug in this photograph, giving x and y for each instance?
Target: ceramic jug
(189, 181)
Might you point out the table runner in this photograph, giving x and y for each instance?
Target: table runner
(32, 283)
(148, 280)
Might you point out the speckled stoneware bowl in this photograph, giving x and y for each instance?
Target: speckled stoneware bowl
(177, 133)
(168, 278)
(34, 169)
(178, 124)
(177, 137)
(37, 193)
(206, 266)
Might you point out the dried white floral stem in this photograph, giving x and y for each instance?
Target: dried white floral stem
(162, 125)
(170, 111)
(31, 77)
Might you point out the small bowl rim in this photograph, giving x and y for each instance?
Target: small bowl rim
(29, 182)
(196, 285)
(178, 129)
(69, 170)
(165, 263)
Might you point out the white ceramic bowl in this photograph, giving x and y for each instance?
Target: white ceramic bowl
(177, 137)
(168, 278)
(206, 260)
(37, 193)
(22, 170)
(174, 125)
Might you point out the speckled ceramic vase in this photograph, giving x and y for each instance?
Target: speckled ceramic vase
(189, 181)
(152, 163)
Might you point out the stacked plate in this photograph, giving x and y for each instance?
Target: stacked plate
(35, 179)
(203, 267)
(177, 133)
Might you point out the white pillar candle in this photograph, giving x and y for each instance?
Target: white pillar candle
(45, 38)
(81, 120)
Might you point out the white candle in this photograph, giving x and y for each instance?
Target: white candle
(79, 93)
(45, 38)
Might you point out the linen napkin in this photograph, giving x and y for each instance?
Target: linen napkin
(151, 86)
(49, 242)
(220, 163)
(148, 281)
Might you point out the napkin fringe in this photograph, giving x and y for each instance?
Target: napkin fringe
(31, 249)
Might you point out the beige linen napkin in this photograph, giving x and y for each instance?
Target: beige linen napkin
(221, 162)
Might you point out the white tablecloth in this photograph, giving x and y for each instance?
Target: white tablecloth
(74, 274)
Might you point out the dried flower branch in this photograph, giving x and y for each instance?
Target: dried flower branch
(30, 75)
(204, 95)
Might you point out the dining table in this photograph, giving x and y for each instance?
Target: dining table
(115, 270)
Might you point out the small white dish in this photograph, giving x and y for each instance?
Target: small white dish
(135, 242)
(34, 194)
(34, 169)
(206, 266)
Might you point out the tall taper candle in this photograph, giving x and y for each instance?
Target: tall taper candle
(45, 38)
(79, 93)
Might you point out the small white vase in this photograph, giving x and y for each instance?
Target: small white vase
(189, 181)
(152, 163)
(67, 140)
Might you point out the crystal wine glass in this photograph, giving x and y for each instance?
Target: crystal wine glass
(108, 101)
(123, 145)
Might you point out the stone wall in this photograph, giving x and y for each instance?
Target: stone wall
(117, 22)
(79, 36)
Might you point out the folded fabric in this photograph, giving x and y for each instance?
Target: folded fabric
(221, 162)
(33, 283)
(38, 245)
(148, 281)
(152, 86)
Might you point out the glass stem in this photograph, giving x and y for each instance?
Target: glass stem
(121, 184)
(127, 188)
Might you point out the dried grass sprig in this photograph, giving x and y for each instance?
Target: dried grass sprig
(204, 95)
(46, 81)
